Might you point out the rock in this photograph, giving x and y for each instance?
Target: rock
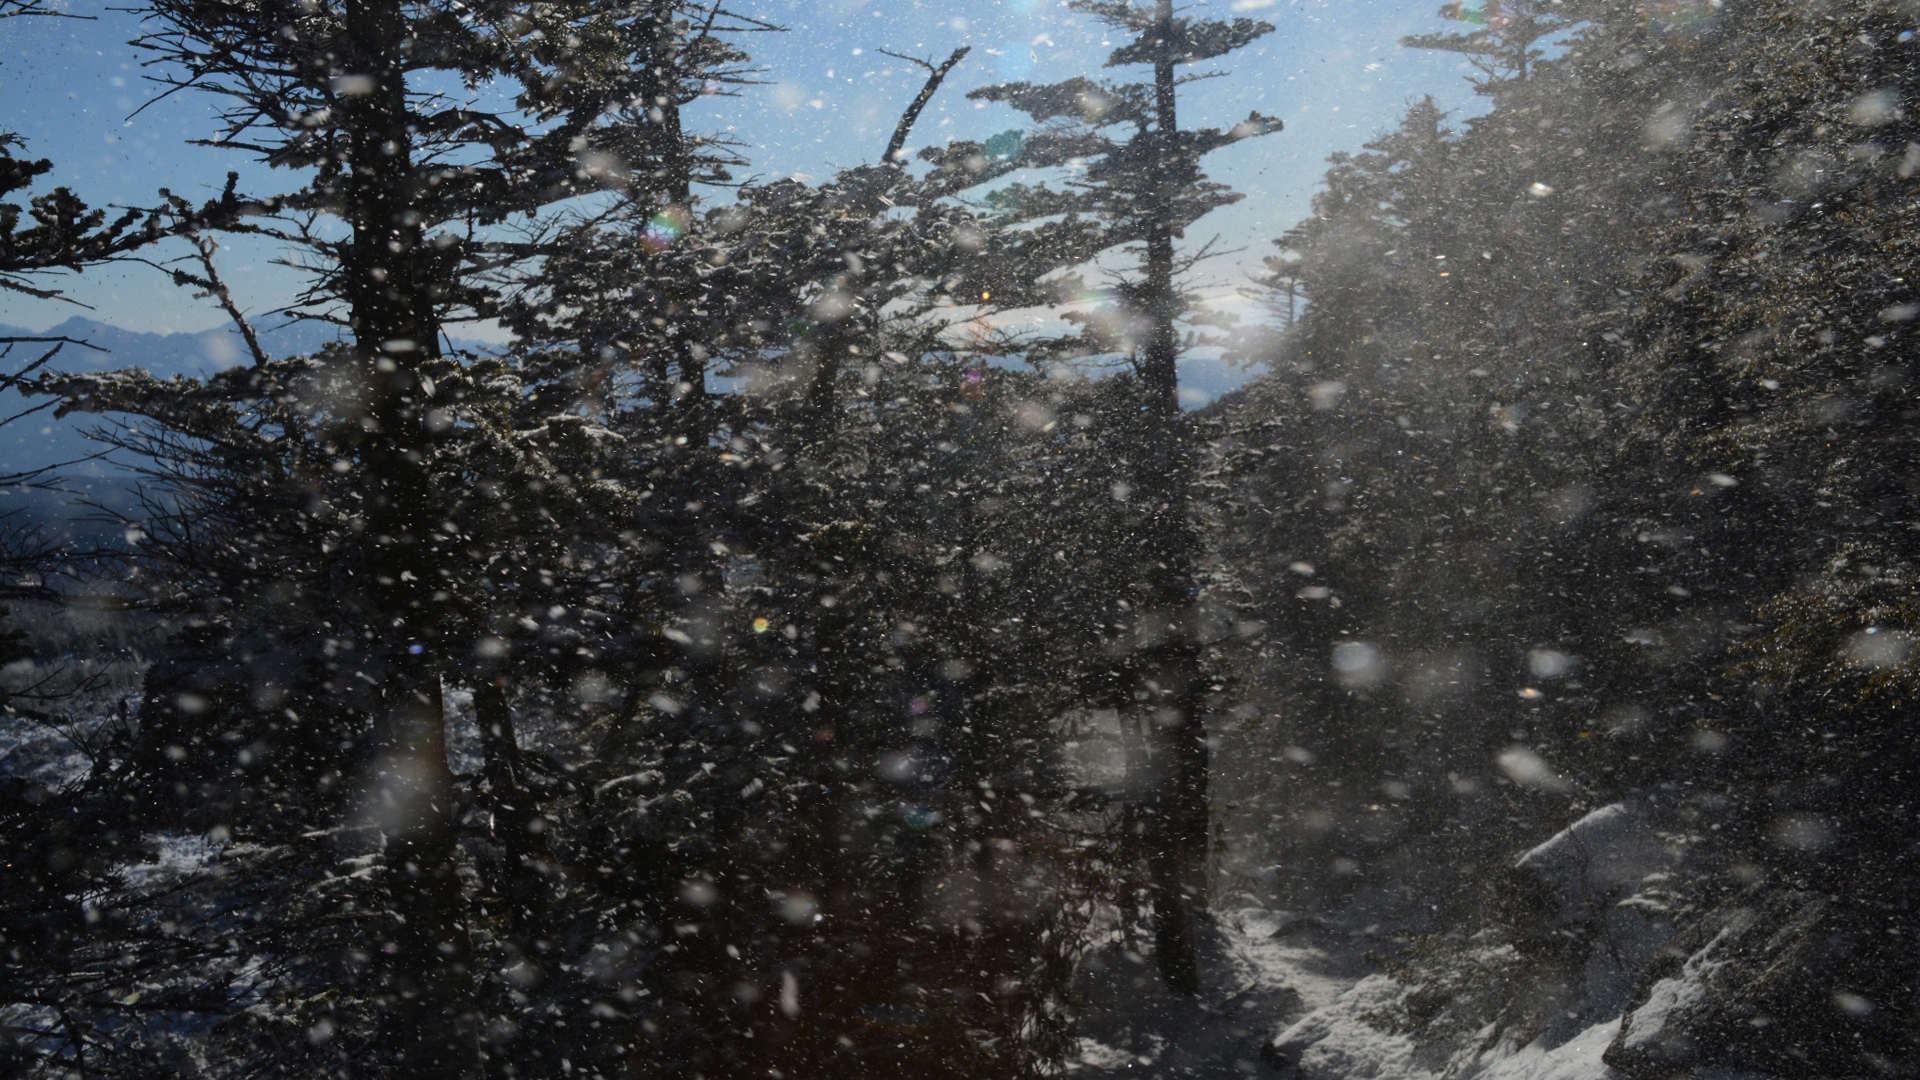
(1780, 981)
(1587, 866)
(1594, 899)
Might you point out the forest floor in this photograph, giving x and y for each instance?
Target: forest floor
(1261, 970)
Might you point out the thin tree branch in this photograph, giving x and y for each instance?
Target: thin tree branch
(217, 288)
(8, 381)
(10, 9)
(896, 145)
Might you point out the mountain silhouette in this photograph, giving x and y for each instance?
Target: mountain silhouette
(39, 440)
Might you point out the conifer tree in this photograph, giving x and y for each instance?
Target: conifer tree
(832, 307)
(1142, 187)
(403, 452)
(1505, 43)
(1563, 336)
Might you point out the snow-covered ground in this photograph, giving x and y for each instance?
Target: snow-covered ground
(1272, 972)
(1262, 968)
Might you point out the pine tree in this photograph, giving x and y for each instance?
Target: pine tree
(65, 234)
(364, 484)
(832, 306)
(1425, 375)
(1140, 192)
(1576, 454)
(1506, 43)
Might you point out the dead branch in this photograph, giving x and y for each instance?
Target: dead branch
(937, 75)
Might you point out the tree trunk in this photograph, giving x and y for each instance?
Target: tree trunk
(1171, 673)
(428, 969)
(395, 329)
(673, 185)
(517, 822)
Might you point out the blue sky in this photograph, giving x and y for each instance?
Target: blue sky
(1332, 71)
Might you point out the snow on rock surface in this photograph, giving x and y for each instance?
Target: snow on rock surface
(1773, 975)
(1270, 968)
(1589, 910)
(1336, 1013)
(1585, 864)
(1576, 1059)
(1342, 1042)
(1338, 1043)
(1650, 1029)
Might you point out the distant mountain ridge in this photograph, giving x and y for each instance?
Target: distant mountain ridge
(40, 440)
(196, 353)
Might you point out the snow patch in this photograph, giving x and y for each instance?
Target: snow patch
(174, 857)
(1647, 1027)
(1338, 1043)
(1576, 1059)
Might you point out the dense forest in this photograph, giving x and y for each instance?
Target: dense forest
(771, 662)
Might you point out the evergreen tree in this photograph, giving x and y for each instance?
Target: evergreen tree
(364, 484)
(786, 507)
(1547, 371)
(70, 940)
(1141, 189)
(1507, 40)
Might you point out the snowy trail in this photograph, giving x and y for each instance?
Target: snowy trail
(1255, 983)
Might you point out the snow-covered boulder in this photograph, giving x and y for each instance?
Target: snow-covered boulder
(1590, 864)
(1599, 895)
(1354, 1039)
(1578, 1058)
(1777, 980)
(1538, 993)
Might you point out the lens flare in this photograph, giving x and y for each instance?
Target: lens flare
(1493, 14)
(973, 384)
(663, 229)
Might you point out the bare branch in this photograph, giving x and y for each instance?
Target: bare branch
(10, 9)
(896, 145)
(217, 288)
